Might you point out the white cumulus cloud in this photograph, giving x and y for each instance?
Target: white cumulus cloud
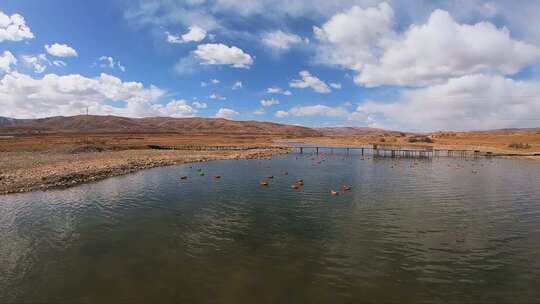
(217, 97)
(175, 108)
(269, 102)
(6, 61)
(365, 40)
(22, 96)
(442, 48)
(468, 102)
(59, 63)
(110, 62)
(278, 90)
(281, 114)
(200, 105)
(335, 85)
(226, 113)
(211, 81)
(349, 38)
(310, 81)
(61, 50)
(14, 28)
(194, 34)
(38, 63)
(318, 110)
(280, 40)
(237, 85)
(221, 54)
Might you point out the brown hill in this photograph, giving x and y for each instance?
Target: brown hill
(115, 124)
(357, 131)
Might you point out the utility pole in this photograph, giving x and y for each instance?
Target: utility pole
(86, 137)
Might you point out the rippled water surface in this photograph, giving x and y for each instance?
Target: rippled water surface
(442, 230)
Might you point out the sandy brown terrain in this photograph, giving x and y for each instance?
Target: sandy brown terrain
(64, 151)
(40, 170)
(92, 142)
(521, 142)
(52, 153)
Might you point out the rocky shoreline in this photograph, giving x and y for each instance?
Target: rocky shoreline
(30, 171)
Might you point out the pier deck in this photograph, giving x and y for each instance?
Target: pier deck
(383, 151)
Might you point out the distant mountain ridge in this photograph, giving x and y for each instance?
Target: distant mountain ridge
(6, 121)
(368, 131)
(356, 131)
(195, 125)
(116, 124)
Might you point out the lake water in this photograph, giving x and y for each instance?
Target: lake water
(437, 231)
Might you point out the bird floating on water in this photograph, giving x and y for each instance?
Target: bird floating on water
(183, 177)
(264, 183)
(346, 188)
(334, 193)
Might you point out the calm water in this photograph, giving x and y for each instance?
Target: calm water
(433, 231)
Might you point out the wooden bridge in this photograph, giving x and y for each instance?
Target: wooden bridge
(371, 150)
(389, 151)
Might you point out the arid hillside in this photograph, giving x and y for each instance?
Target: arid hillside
(115, 124)
(357, 131)
(79, 133)
(509, 141)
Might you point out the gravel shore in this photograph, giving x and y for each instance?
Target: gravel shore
(29, 171)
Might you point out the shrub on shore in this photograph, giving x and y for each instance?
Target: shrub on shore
(519, 146)
(424, 139)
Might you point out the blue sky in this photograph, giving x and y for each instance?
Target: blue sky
(411, 65)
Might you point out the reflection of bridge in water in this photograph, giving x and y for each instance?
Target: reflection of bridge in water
(391, 151)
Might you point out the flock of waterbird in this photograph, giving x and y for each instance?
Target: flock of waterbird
(296, 186)
(300, 182)
(201, 173)
(317, 160)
